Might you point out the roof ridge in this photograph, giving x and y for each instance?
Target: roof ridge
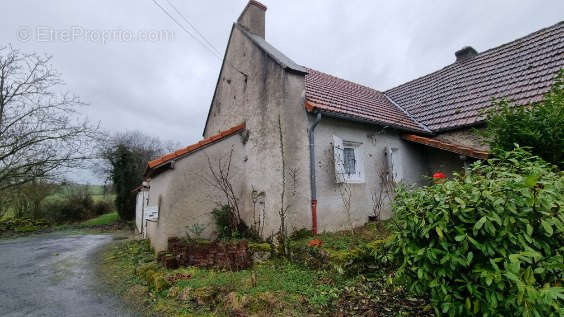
(407, 113)
(519, 39)
(479, 54)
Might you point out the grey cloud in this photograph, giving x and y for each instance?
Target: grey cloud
(163, 88)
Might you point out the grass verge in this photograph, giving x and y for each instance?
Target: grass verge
(277, 287)
(103, 220)
(106, 223)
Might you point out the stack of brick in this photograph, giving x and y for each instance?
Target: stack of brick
(218, 255)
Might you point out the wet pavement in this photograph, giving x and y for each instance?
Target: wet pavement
(54, 275)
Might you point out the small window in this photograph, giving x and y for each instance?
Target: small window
(349, 167)
(349, 160)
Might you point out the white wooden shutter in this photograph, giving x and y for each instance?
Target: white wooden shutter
(339, 156)
(359, 157)
(394, 164)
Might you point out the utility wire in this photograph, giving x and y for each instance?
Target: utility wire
(193, 27)
(211, 49)
(205, 43)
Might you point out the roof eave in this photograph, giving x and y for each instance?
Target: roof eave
(352, 118)
(446, 146)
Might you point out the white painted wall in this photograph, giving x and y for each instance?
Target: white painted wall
(186, 198)
(330, 210)
(139, 210)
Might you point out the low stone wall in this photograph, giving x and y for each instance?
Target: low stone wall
(225, 256)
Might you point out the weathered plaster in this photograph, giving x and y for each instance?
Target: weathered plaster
(466, 137)
(187, 194)
(331, 213)
(268, 99)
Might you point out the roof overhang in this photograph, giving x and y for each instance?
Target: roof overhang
(445, 146)
(167, 161)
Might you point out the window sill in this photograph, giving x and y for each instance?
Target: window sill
(354, 181)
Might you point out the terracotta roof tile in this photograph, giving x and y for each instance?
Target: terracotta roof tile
(335, 95)
(194, 147)
(521, 71)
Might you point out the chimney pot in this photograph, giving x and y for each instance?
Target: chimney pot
(253, 18)
(465, 53)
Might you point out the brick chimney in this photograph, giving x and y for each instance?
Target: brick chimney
(252, 18)
(465, 53)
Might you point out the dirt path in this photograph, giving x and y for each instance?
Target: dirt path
(53, 275)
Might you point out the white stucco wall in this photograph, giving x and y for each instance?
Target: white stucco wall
(255, 89)
(264, 97)
(186, 194)
(330, 211)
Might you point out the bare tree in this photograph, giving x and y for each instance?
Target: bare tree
(283, 211)
(26, 199)
(40, 129)
(343, 187)
(221, 180)
(259, 212)
(385, 192)
(289, 176)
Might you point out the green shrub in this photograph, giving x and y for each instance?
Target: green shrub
(102, 207)
(490, 243)
(21, 225)
(144, 268)
(539, 126)
(301, 234)
(74, 205)
(223, 218)
(159, 282)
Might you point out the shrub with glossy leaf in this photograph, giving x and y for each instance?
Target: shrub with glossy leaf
(490, 243)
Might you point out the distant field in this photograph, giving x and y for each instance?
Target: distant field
(105, 219)
(97, 192)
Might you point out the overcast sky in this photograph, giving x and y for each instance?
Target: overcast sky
(163, 86)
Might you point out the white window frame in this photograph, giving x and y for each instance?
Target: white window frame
(339, 146)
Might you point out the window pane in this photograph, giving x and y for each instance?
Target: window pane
(349, 161)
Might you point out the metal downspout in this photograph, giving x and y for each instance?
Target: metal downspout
(311, 134)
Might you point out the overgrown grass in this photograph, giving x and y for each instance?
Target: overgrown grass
(102, 224)
(346, 240)
(277, 287)
(105, 219)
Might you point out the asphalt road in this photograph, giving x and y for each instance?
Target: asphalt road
(54, 275)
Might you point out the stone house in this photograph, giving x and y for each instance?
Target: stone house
(294, 137)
